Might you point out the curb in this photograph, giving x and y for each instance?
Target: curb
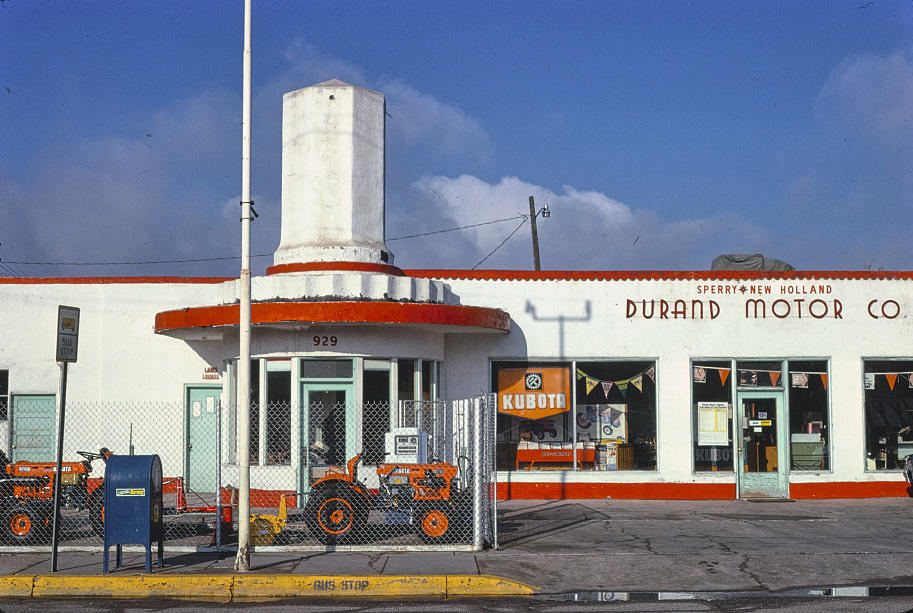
(239, 588)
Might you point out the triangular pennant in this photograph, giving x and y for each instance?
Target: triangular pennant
(774, 377)
(651, 372)
(622, 387)
(590, 384)
(724, 374)
(892, 379)
(606, 386)
(638, 382)
(824, 380)
(580, 374)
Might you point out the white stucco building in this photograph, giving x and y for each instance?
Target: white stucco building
(718, 384)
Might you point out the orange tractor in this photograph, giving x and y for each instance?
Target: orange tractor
(27, 495)
(338, 504)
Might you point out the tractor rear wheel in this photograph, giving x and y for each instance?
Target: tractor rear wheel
(335, 514)
(22, 524)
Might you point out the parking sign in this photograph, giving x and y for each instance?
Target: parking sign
(67, 333)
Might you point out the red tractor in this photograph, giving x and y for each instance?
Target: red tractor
(27, 495)
(338, 504)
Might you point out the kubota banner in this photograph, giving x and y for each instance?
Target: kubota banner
(533, 393)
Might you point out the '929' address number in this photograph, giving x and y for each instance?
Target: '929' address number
(325, 341)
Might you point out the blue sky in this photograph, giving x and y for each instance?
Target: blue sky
(661, 134)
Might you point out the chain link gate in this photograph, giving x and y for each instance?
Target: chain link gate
(324, 474)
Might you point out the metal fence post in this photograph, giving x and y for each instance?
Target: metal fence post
(478, 470)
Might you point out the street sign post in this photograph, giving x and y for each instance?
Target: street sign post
(67, 345)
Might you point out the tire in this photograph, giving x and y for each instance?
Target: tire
(22, 524)
(97, 512)
(436, 524)
(336, 514)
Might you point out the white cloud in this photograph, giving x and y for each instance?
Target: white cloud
(873, 96)
(587, 230)
(147, 195)
(421, 121)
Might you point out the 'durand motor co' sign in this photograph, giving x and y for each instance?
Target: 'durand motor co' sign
(533, 393)
(759, 301)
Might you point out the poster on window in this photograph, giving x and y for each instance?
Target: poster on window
(712, 423)
(602, 422)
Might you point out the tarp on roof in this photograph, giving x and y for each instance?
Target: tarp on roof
(741, 261)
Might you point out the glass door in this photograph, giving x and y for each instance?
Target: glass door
(762, 445)
(328, 428)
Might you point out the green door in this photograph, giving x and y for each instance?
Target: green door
(328, 432)
(202, 438)
(762, 445)
(34, 421)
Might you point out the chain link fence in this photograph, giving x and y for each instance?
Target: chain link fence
(323, 474)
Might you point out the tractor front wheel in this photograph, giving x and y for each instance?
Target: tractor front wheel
(436, 524)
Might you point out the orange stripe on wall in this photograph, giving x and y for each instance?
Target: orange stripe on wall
(694, 491)
(850, 489)
(625, 491)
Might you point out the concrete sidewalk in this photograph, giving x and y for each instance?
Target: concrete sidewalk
(546, 547)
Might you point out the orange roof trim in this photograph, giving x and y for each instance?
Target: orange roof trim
(651, 275)
(337, 312)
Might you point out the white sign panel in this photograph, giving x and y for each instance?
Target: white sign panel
(67, 333)
(713, 423)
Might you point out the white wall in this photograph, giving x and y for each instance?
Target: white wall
(121, 359)
(582, 319)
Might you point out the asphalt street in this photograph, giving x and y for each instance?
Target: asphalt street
(591, 549)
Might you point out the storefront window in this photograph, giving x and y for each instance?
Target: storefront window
(326, 369)
(711, 398)
(616, 412)
(888, 413)
(612, 425)
(4, 394)
(254, 436)
(759, 374)
(808, 422)
(514, 381)
(278, 412)
(376, 411)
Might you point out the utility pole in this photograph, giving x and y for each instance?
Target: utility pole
(532, 223)
(242, 561)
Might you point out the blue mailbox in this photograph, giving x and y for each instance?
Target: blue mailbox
(133, 505)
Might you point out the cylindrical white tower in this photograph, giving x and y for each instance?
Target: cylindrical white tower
(332, 176)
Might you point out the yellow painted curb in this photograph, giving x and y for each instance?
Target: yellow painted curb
(487, 585)
(237, 587)
(134, 586)
(309, 586)
(16, 586)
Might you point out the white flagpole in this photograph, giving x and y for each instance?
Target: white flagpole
(242, 561)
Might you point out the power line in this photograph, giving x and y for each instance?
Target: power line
(234, 257)
(261, 255)
(502, 242)
(475, 225)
